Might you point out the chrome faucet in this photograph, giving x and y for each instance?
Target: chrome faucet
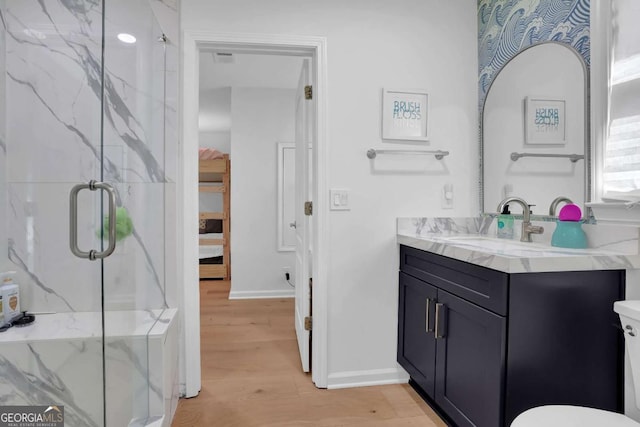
(556, 202)
(527, 228)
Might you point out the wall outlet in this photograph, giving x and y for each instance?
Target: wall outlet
(446, 198)
(287, 275)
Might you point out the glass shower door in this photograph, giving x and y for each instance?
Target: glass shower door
(134, 147)
(50, 126)
(79, 103)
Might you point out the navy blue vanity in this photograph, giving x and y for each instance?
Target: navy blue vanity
(482, 345)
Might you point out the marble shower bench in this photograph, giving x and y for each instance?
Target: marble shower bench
(59, 353)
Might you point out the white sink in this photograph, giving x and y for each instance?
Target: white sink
(493, 243)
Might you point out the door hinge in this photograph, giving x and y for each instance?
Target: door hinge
(308, 208)
(307, 323)
(308, 92)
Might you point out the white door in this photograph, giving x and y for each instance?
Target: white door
(304, 129)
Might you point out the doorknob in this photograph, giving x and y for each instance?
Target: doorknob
(293, 224)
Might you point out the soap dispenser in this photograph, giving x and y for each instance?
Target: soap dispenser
(569, 232)
(505, 223)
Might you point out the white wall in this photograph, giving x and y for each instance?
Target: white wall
(215, 118)
(374, 44)
(261, 118)
(220, 140)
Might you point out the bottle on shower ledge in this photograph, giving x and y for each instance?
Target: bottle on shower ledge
(10, 297)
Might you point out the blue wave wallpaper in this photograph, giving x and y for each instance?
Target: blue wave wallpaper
(505, 27)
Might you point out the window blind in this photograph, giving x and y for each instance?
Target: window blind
(622, 148)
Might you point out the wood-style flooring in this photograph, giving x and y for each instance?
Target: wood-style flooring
(251, 375)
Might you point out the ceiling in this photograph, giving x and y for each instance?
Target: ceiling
(249, 70)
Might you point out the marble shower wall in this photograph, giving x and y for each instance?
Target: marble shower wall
(52, 141)
(55, 87)
(166, 12)
(3, 150)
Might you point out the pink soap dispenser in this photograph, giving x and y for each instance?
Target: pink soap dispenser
(569, 232)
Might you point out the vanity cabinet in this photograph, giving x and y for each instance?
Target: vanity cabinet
(484, 345)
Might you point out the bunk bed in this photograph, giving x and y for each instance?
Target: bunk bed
(214, 228)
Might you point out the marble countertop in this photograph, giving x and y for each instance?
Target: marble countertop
(473, 240)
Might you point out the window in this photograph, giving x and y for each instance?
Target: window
(621, 168)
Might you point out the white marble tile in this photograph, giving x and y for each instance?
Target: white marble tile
(163, 371)
(50, 277)
(53, 86)
(140, 356)
(50, 141)
(134, 90)
(82, 325)
(134, 273)
(39, 249)
(54, 74)
(171, 242)
(4, 261)
(58, 372)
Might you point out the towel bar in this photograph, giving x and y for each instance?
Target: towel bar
(372, 153)
(573, 157)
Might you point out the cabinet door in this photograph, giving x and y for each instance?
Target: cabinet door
(416, 343)
(470, 362)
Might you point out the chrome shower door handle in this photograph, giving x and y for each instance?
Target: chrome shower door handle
(112, 219)
(73, 220)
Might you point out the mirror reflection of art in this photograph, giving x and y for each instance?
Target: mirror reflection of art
(545, 121)
(404, 114)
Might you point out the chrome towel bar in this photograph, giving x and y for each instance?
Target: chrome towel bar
(573, 157)
(372, 153)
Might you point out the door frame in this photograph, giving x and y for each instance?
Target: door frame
(193, 42)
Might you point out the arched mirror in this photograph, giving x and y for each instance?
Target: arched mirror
(535, 130)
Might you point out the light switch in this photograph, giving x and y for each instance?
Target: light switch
(339, 199)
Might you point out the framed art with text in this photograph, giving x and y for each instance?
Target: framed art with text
(405, 115)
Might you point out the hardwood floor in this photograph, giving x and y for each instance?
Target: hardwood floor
(251, 375)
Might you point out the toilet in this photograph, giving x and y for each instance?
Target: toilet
(577, 416)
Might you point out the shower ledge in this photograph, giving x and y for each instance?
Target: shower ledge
(83, 325)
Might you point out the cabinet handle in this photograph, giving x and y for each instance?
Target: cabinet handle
(440, 308)
(427, 325)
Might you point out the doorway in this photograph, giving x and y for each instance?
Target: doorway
(315, 49)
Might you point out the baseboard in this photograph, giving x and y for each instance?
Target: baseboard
(280, 293)
(372, 377)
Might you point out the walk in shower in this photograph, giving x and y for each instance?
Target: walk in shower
(87, 160)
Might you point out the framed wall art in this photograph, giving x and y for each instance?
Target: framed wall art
(405, 115)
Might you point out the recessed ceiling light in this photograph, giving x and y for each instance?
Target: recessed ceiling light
(126, 38)
(34, 33)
